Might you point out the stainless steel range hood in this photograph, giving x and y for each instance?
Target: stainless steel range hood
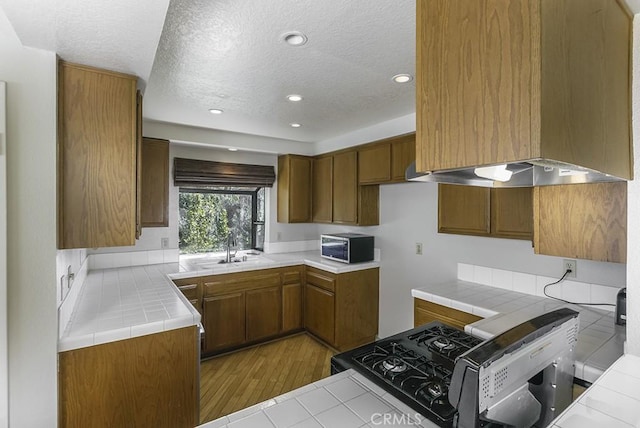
(536, 172)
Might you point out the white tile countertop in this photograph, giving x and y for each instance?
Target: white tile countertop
(120, 303)
(613, 401)
(600, 341)
(344, 400)
(201, 266)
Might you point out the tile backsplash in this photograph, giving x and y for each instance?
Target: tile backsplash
(573, 291)
(133, 258)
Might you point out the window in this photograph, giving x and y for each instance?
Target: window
(209, 215)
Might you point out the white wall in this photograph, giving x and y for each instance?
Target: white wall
(31, 238)
(409, 214)
(633, 210)
(4, 352)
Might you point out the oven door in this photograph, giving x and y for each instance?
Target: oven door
(335, 248)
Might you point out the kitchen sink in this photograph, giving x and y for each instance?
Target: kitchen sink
(210, 263)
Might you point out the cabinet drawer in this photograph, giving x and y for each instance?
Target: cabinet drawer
(291, 277)
(190, 291)
(321, 281)
(241, 284)
(427, 311)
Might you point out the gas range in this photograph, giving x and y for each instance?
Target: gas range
(415, 366)
(522, 377)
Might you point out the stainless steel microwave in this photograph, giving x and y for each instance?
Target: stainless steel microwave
(347, 247)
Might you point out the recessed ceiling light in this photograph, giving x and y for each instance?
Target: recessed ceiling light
(295, 125)
(294, 97)
(294, 38)
(402, 78)
(233, 149)
(215, 111)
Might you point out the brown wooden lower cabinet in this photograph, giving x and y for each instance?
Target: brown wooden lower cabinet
(425, 312)
(319, 312)
(224, 321)
(245, 308)
(263, 309)
(292, 318)
(342, 309)
(147, 381)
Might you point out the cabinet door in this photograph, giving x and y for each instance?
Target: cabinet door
(319, 312)
(322, 193)
(374, 164)
(512, 213)
(155, 183)
(292, 303)
(224, 321)
(294, 189)
(583, 221)
(96, 157)
(463, 210)
(345, 187)
(264, 311)
(357, 308)
(291, 307)
(403, 152)
(461, 53)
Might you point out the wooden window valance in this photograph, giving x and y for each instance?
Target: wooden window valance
(200, 173)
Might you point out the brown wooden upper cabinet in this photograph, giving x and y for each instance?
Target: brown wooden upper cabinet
(345, 187)
(322, 190)
(97, 156)
(155, 183)
(584, 221)
(294, 189)
(480, 211)
(385, 161)
(336, 195)
(539, 79)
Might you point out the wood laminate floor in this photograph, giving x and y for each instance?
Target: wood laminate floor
(232, 382)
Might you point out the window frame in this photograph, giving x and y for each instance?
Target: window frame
(254, 205)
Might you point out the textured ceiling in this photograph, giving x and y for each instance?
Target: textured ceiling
(120, 35)
(229, 54)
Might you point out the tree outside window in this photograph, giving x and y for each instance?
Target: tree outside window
(208, 216)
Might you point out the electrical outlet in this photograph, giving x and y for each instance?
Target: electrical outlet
(570, 265)
(164, 242)
(419, 248)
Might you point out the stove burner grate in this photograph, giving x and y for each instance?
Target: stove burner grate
(394, 365)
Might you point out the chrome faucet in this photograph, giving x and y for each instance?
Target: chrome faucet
(230, 242)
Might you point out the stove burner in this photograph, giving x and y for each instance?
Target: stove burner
(394, 365)
(443, 344)
(435, 389)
